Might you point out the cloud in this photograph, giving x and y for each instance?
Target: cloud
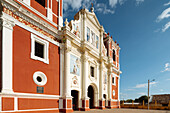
(145, 85)
(166, 26)
(74, 4)
(101, 7)
(129, 89)
(168, 79)
(142, 93)
(113, 3)
(167, 4)
(161, 90)
(167, 66)
(164, 14)
(139, 2)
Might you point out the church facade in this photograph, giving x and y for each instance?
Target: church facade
(48, 67)
(90, 64)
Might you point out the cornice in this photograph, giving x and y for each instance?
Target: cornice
(19, 11)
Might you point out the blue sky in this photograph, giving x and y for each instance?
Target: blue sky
(142, 28)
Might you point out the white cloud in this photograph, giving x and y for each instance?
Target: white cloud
(164, 14)
(142, 93)
(74, 4)
(167, 4)
(168, 79)
(145, 85)
(101, 7)
(161, 90)
(129, 89)
(139, 2)
(166, 26)
(113, 3)
(167, 65)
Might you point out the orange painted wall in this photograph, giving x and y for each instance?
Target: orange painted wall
(87, 103)
(114, 104)
(55, 19)
(24, 67)
(116, 89)
(7, 103)
(0, 60)
(39, 7)
(55, 7)
(69, 103)
(27, 103)
(61, 7)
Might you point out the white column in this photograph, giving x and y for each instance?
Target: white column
(101, 82)
(66, 81)
(84, 76)
(110, 84)
(7, 54)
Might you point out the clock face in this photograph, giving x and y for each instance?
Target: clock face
(113, 92)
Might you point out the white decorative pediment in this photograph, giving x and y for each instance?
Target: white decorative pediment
(93, 19)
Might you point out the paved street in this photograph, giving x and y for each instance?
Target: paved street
(124, 111)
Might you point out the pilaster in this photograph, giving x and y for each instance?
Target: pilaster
(109, 88)
(101, 99)
(7, 53)
(84, 98)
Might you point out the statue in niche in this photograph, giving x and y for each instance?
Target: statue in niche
(74, 69)
(77, 32)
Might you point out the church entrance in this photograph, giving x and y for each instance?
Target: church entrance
(104, 96)
(74, 94)
(91, 96)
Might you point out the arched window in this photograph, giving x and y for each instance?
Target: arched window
(114, 55)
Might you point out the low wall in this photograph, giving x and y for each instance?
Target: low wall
(146, 107)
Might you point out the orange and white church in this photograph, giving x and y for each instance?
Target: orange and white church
(47, 67)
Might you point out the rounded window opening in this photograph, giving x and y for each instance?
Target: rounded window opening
(40, 78)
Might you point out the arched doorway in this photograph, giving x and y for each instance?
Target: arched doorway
(91, 96)
(74, 94)
(104, 96)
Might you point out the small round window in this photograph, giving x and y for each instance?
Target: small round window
(113, 92)
(40, 78)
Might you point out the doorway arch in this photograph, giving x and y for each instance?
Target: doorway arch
(75, 95)
(91, 97)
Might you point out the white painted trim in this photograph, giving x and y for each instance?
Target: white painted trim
(113, 76)
(43, 77)
(15, 103)
(7, 54)
(31, 95)
(114, 100)
(119, 89)
(32, 110)
(28, 2)
(34, 39)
